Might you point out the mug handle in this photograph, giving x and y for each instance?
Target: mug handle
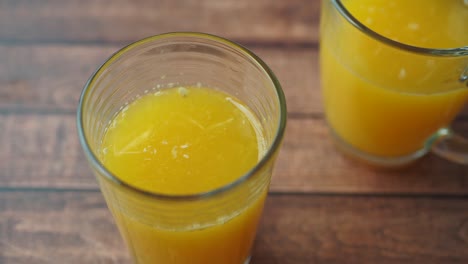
(449, 145)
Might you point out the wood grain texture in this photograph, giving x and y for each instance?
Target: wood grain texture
(50, 227)
(323, 208)
(43, 151)
(317, 229)
(46, 78)
(294, 21)
(46, 228)
(50, 77)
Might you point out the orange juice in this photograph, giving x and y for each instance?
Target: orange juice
(384, 101)
(184, 141)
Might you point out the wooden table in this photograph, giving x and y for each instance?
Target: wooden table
(322, 208)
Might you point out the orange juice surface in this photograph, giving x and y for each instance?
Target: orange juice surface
(381, 100)
(183, 141)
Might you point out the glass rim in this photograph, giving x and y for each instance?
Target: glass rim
(445, 52)
(269, 154)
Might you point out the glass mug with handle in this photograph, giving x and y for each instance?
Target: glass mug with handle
(394, 75)
(182, 225)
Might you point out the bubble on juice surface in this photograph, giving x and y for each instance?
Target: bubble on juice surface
(183, 91)
(184, 146)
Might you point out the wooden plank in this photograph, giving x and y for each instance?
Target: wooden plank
(51, 77)
(308, 229)
(48, 227)
(43, 151)
(47, 77)
(53, 227)
(294, 21)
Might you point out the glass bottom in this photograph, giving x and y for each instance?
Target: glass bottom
(374, 160)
